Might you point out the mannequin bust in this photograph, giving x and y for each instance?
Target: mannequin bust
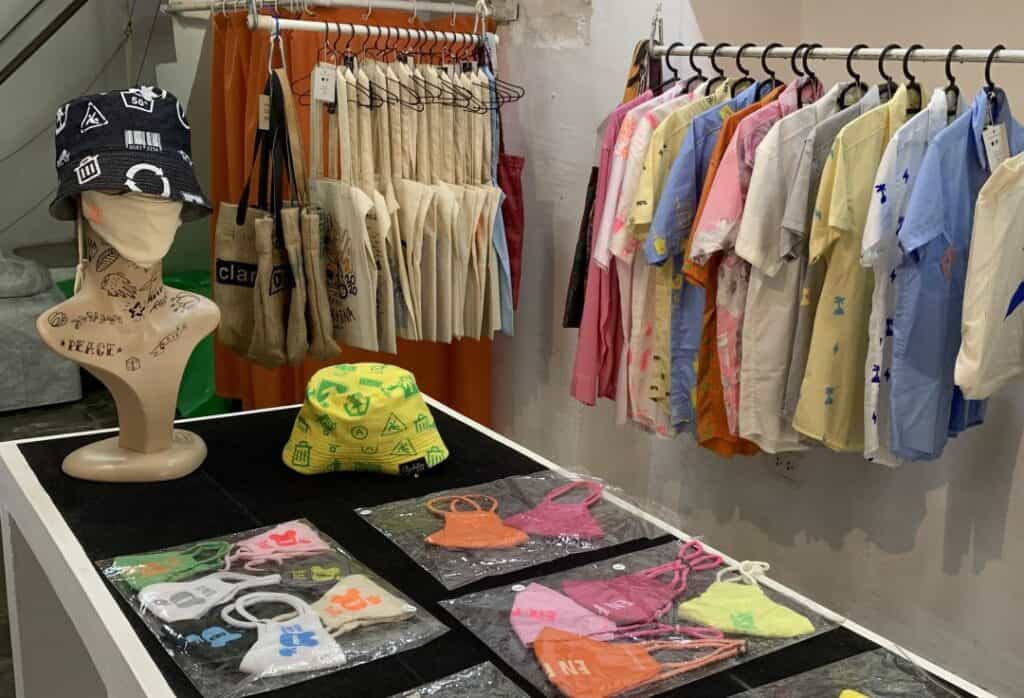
(135, 336)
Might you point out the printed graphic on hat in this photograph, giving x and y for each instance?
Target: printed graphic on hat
(300, 454)
(88, 169)
(190, 198)
(324, 389)
(136, 169)
(394, 425)
(93, 119)
(186, 157)
(62, 119)
(136, 99)
(142, 140)
(64, 158)
(357, 405)
(403, 448)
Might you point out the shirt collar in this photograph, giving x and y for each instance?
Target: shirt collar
(938, 112)
(1000, 114)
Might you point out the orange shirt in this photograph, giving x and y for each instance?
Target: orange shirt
(712, 424)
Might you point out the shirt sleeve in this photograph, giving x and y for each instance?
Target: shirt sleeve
(622, 227)
(676, 207)
(722, 209)
(879, 225)
(758, 238)
(823, 235)
(644, 203)
(794, 218)
(925, 217)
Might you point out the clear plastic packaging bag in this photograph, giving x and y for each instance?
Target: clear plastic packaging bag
(267, 608)
(877, 674)
(463, 535)
(482, 681)
(490, 615)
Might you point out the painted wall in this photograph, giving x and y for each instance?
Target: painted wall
(926, 554)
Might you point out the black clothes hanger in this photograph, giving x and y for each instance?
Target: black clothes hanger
(714, 64)
(888, 88)
(913, 86)
(857, 83)
(792, 59)
(698, 76)
(672, 69)
(991, 89)
(812, 78)
(745, 81)
(772, 82)
(952, 91)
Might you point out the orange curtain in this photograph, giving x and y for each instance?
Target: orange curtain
(458, 374)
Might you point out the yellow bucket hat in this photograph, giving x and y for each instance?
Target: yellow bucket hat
(366, 418)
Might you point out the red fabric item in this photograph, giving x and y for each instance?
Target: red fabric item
(510, 180)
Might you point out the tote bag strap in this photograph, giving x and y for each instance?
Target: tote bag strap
(297, 155)
(260, 150)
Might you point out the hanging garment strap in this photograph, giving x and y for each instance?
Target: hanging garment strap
(595, 489)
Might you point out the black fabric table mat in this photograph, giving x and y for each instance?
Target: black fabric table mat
(244, 485)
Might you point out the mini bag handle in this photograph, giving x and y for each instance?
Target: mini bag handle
(454, 499)
(595, 489)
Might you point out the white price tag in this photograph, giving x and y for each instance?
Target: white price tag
(324, 78)
(264, 113)
(997, 148)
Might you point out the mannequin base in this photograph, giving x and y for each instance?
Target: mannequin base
(105, 461)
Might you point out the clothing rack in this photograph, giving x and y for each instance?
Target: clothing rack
(273, 24)
(815, 52)
(501, 13)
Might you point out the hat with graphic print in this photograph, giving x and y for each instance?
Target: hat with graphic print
(134, 140)
(367, 418)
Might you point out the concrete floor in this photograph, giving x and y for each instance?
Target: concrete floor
(94, 411)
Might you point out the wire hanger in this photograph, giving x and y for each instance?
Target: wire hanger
(857, 83)
(913, 86)
(745, 81)
(772, 82)
(952, 91)
(714, 64)
(888, 86)
(668, 64)
(698, 76)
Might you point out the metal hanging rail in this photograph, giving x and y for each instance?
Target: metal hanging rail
(930, 55)
(499, 14)
(272, 24)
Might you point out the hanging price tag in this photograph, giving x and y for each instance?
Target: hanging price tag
(997, 148)
(324, 78)
(263, 122)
